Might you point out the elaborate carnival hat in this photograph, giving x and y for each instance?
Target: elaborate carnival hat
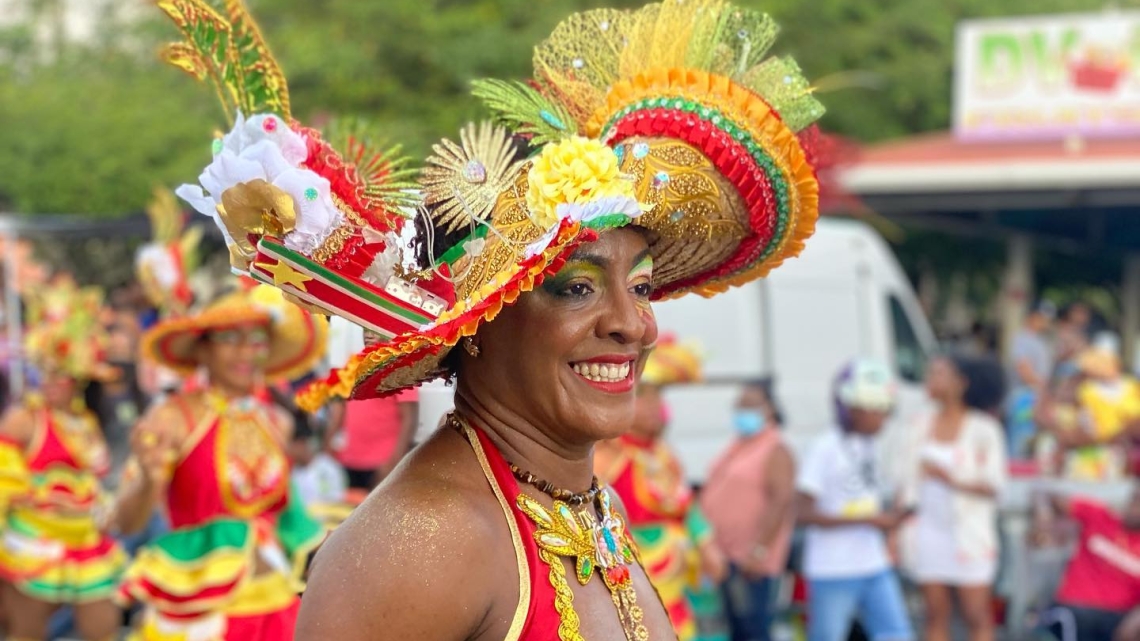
(317, 218)
(718, 135)
(65, 333)
(672, 363)
(165, 263)
(706, 155)
(297, 338)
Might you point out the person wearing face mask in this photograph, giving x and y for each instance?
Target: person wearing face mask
(674, 537)
(848, 568)
(749, 500)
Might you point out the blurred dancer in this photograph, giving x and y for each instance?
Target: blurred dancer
(667, 524)
(749, 499)
(841, 501)
(215, 460)
(55, 550)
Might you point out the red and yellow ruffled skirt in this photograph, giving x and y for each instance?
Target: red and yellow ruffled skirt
(59, 559)
(200, 584)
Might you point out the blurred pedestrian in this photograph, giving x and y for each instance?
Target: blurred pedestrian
(1094, 414)
(749, 499)
(957, 467)
(1031, 365)
(1072, 335)
(369, 437)
(674, 539)
(1101, 584)
(842, 503)
(319, 479)
(1107, 396)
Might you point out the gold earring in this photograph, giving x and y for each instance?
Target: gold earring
(470, 347)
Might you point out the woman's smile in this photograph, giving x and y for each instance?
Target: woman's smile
(612, 374)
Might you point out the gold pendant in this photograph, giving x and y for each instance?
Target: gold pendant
(594, 544)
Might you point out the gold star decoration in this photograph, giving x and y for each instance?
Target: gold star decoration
(283, 274)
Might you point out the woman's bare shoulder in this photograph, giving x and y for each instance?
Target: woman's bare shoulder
(415, 548)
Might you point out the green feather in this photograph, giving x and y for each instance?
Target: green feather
(222, 45)
(525, 110)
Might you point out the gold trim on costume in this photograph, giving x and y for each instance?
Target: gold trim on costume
(519, 619)
(564, 597)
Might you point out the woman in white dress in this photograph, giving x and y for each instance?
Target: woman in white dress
(956, 466)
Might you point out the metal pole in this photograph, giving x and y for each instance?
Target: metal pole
(1017, 288)
(12, 315)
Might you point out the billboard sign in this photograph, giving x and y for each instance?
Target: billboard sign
(1048, 77)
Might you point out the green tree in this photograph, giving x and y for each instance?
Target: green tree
(89, 127)
(890, 62)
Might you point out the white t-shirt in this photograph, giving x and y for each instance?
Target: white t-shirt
(841, 474)
(323, 480)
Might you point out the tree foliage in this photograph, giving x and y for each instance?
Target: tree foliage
(89, 127)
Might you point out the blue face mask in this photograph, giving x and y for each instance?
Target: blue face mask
(749, 422)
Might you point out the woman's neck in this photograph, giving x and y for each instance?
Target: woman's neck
(229, 393)
(67, 409)
(952, 409)
(567, 466)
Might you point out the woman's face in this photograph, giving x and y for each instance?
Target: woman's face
(565, 357)
(944, 382)
(59, 390)
(235, 358)
(753, 398)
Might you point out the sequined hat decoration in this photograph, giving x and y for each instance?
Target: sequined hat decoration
(715, 130)
(515, 220)
(318, 218)
(164, 264)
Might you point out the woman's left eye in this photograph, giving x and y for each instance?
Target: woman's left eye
(643, 290)
(579, 290)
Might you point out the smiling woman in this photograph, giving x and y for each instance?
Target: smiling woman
(664, 155)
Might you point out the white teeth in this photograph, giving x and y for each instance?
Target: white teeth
(602, 372)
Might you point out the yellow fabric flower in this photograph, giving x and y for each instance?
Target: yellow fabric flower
(574, 171)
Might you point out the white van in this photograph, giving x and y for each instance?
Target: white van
(844, 297)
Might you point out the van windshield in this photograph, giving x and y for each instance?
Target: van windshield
(910, 357)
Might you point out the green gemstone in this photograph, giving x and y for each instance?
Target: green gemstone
(587, 567)
(680, 104)
(690, 106)
(705, 112)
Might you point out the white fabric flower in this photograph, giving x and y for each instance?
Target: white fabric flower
(604, 206)
(317, 215)
(540, 245)
(264, 147)
(383, 265)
